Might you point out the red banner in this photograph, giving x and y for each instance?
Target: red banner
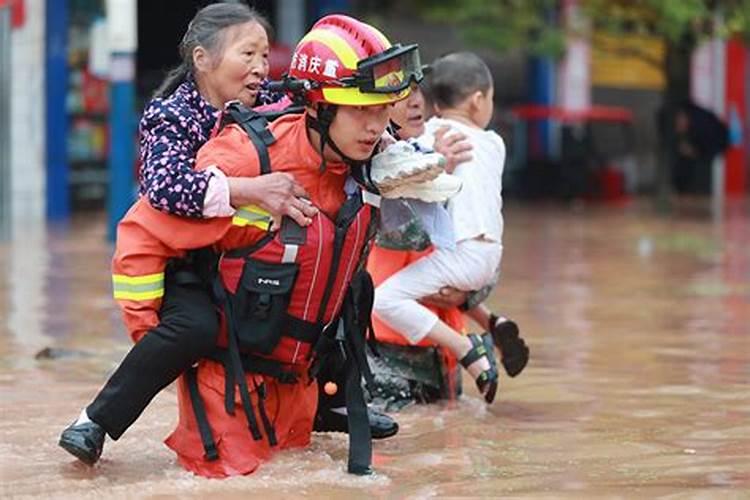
(17, 12)
(736, 173)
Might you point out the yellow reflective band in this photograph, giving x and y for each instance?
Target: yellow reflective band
(138, 280)
(251, 215)
(338, 45)
(138, 296)
(145, 287)
(352, 96)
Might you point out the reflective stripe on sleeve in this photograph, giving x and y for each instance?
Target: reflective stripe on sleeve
(145, 287)
(251, 215)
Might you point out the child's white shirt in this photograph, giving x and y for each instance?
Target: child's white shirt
(476, 213)
(476, 210)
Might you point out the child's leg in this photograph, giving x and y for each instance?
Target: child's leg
(481, 316)
(484, 317)
(396, 303)
(505, 334)
(460, 345)
(396, 299)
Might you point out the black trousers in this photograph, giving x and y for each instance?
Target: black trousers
(187, 332)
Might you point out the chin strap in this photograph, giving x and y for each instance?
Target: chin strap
(393, 129)
(322, 125)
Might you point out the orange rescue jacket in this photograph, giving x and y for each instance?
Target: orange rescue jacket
(148, 238)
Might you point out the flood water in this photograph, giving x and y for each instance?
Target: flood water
(638, 387)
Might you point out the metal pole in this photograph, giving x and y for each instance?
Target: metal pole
(122, 144)
(123, 40)
(4, 123)
(56, 33)
(718, 47)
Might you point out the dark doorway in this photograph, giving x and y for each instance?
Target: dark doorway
(161, 25)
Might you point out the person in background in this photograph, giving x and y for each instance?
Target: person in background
(699, 136)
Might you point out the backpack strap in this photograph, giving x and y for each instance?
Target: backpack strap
(255, 126)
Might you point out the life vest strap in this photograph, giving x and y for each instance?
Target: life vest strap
(341, 348)
(260, 390)
(256, 364)
(209, 445)
(304, 331)
(251, 364)
(292, 233)
(234, 365)
(255, 126)
(360, 437)
(346, 215)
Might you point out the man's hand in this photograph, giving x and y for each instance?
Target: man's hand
(277, 193)
(455, 147)
(446, 298)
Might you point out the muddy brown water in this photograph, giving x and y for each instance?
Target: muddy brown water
(639, 384)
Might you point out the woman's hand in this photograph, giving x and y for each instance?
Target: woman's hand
(277, 193)
(446, 298)
(455, 147)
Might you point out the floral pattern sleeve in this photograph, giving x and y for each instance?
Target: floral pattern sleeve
(172, 131)
(168, 145)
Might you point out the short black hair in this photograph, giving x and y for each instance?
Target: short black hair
(456, 76)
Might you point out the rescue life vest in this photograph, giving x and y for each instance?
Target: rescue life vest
(287, 302)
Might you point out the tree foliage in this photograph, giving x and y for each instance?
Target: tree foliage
(535, 25)
(500, 24)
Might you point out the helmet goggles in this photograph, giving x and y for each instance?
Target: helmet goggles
(391, 71)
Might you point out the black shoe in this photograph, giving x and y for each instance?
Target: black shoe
(515, 352)
(381, 425)
(84, 441)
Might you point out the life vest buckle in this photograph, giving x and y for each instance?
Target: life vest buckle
(263, 307)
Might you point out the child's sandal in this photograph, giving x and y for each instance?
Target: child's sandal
(487, 380)
(514, 351)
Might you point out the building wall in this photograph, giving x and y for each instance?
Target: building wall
(27, 257)
(27, 157)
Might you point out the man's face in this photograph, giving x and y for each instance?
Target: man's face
(356, 130)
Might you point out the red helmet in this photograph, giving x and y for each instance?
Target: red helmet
(351, 63)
